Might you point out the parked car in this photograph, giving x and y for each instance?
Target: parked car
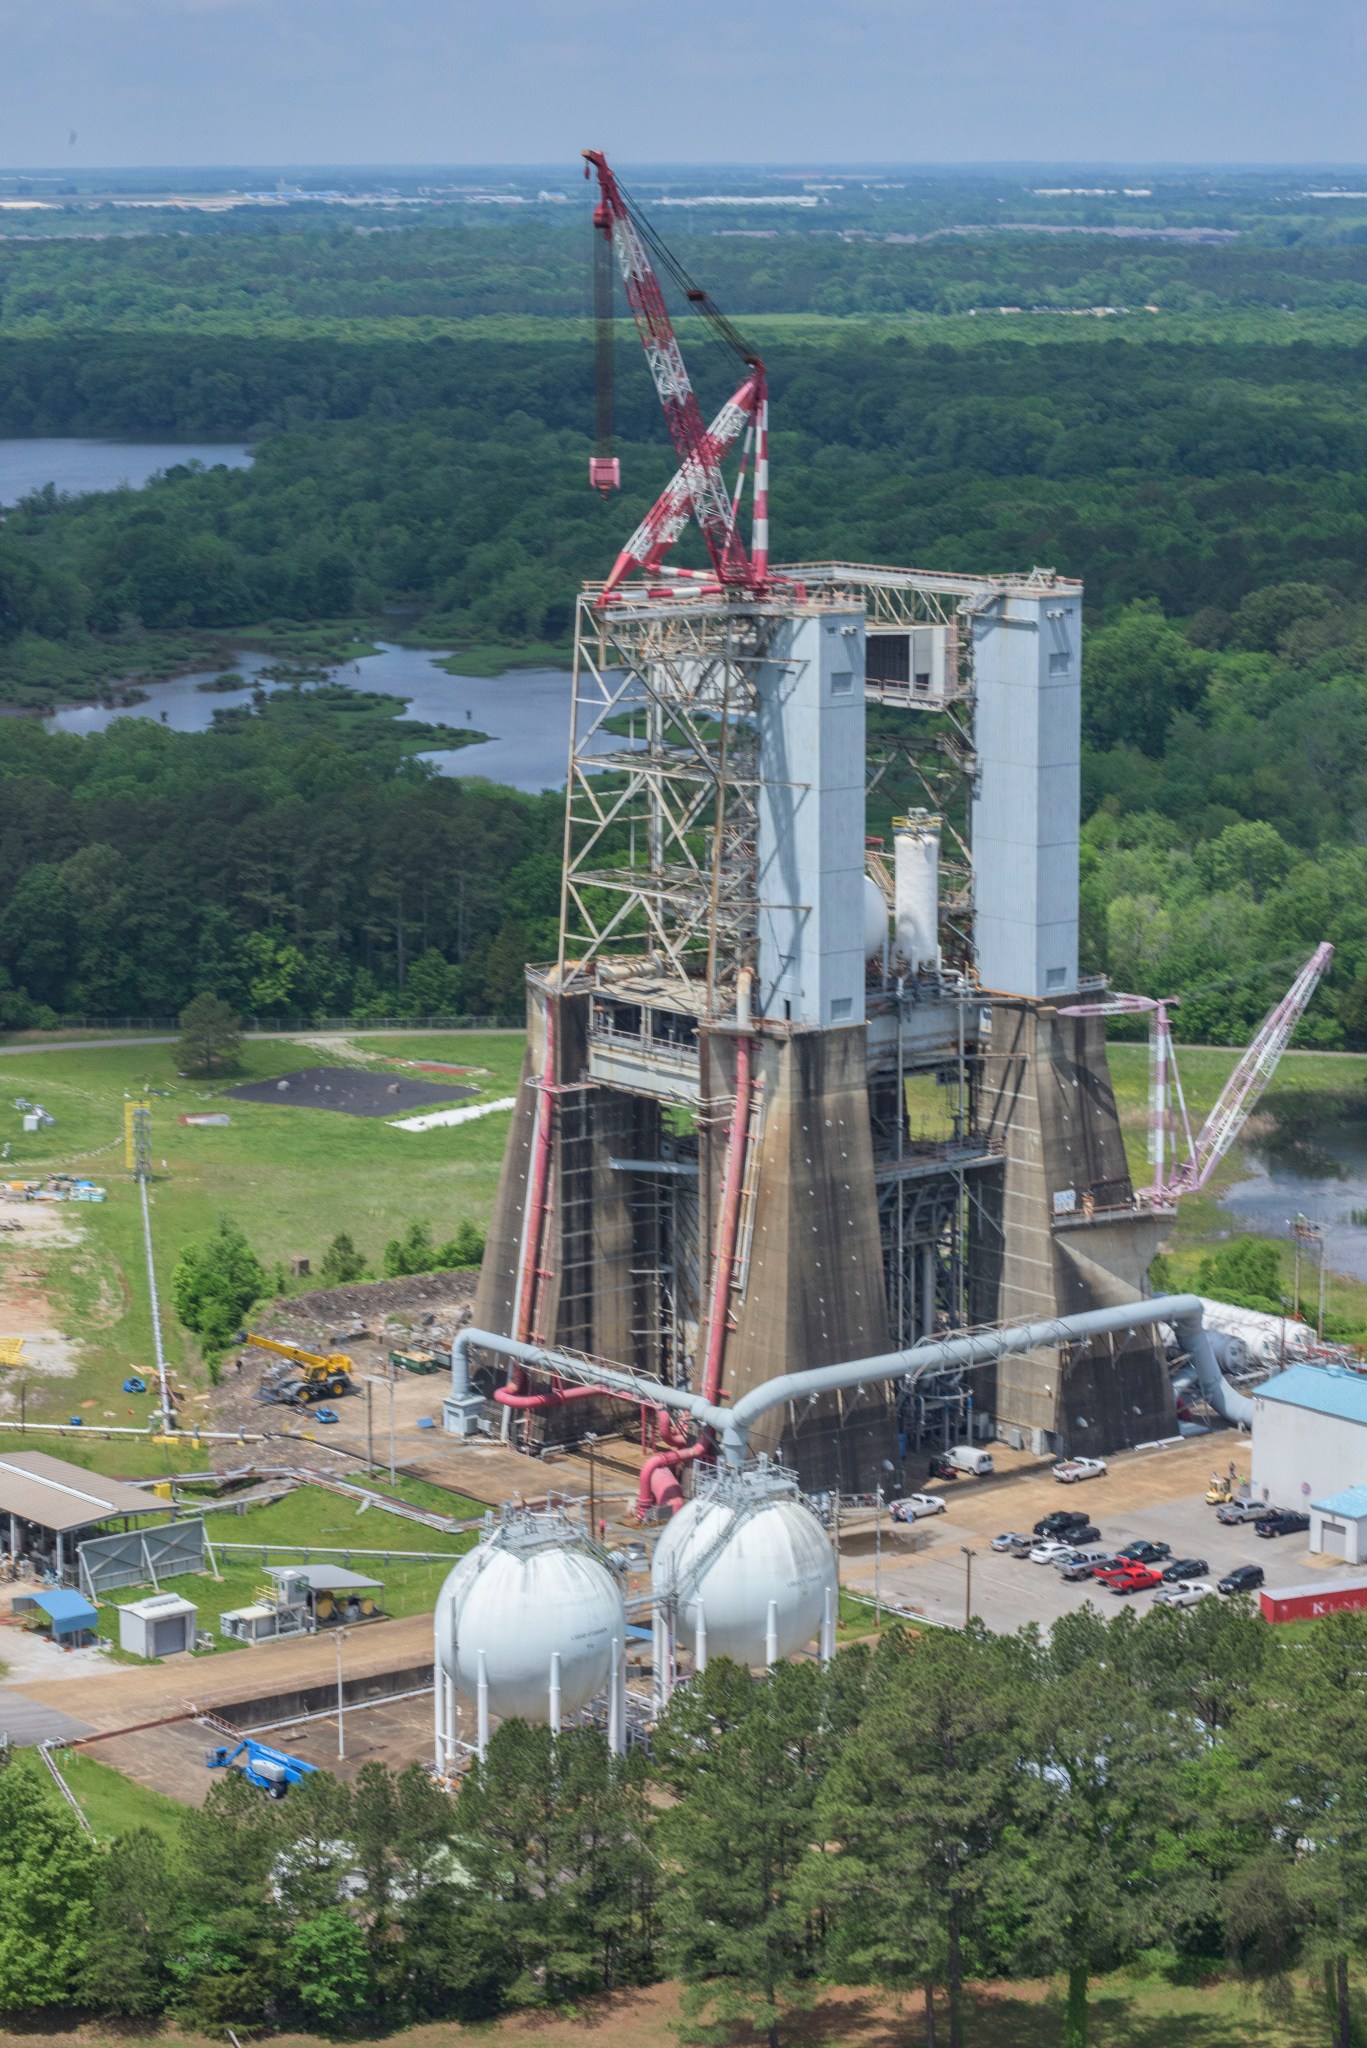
(1130, 1578)
(1050, 1550)
(1183, 1593)
(1245, 1578)
(1185, 1568)
(1061, 1522)
(326, 1415)
(912, 1506)
(1008, 1540)
(1088, 1560)
(1089, 1567)
(1242, 1509)
(1144, 1552)
(942, 1467)
(1072, 1469)
(1281, 1522)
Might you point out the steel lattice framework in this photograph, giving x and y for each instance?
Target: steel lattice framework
(660, 850)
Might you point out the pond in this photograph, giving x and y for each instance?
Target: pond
(524, 712)
(1313, 1163)
(102, 465)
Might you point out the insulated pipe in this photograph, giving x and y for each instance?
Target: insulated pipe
(732, 1182)
(733, 1425)
(659, 1486)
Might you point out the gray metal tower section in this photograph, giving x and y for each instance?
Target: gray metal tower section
(1027, 659)
(810, 883)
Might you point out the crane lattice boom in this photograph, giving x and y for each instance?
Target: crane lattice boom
(699, 488)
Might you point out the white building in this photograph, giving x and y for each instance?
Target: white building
(1338, 1524)
(1310, 1435)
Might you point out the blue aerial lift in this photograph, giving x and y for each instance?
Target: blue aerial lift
(271, 1769)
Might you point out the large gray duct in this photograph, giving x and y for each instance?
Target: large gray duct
(732, 1425)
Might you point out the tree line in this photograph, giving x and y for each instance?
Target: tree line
(1185, 1789)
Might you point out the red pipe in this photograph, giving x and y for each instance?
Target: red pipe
(732, 1181)
(536, 1191)
(659, 1485)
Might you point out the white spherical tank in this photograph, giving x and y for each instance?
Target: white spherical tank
(747, 1542)
(875, 919)
(530, 1588)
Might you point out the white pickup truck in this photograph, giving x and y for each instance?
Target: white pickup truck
(1070, 1470)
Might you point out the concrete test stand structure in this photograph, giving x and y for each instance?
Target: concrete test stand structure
(717, 1170)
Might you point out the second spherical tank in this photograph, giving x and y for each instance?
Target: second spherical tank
(747, 1541)
(532, 1588)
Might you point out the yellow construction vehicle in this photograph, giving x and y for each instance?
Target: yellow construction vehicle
(321, 1376)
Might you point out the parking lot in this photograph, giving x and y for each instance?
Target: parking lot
(1154, 1494)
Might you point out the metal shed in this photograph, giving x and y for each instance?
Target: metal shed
(160, 1626)
(331, 1592)
(70, 1615)
(44, 1500)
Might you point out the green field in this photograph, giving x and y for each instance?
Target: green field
(292, 1178)
(314, 1519)
(111, 1803)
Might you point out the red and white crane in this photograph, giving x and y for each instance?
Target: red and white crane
(698, 490)
(1237, 1099)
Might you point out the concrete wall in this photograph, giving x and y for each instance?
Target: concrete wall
(1299, 1455)
(1027, 654)
(811, 822)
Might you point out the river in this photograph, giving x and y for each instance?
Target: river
(102, 465)
(524, 712)
(1319, 1171)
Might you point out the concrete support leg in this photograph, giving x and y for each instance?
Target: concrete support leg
(771, 1636)
(555, 1692)
(927, 1303)
(700, 1640)
(439, 1706)
(616, 1731)
(482, 1707)
(828, 1626)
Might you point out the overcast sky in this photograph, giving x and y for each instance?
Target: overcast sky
(194, 82)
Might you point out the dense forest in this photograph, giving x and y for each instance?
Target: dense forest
(1178, 1794)
(1211, 492)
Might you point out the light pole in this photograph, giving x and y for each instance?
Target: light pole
(373, 1380)
(969, 1556)
(878, 1558)
(340, 1638)
(369, 1437)
(391, 1424)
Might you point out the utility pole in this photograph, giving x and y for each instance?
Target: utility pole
(391, 1425)
(369, 1437)
(969, 1556)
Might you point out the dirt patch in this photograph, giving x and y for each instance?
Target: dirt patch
(25, 1308)
(348, 1090)
(367, 1320)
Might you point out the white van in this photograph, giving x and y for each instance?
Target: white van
(968, 1458)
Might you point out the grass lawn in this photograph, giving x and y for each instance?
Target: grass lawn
(111, 1803)
(310, 1518)
(1306, 1084)
(292, 1178)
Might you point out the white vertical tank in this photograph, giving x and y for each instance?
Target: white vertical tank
(533, 1588)
(916, 856)
(748, 1555)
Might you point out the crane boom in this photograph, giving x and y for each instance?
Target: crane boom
(699, 482)
(1246, 1084)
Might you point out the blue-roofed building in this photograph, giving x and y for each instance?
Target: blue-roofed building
(70, 1617)
(1310, 1451)
(1338, 1524)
